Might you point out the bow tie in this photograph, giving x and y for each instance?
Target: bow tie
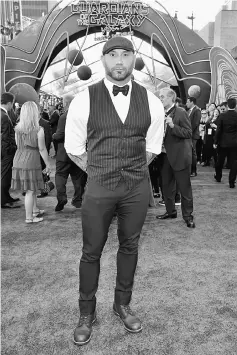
(123, 89)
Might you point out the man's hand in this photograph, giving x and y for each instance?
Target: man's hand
(150, 157)
(213, 125)
(214, 146)
(169, 121)
(79, 160)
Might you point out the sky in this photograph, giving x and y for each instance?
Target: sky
(204, 11)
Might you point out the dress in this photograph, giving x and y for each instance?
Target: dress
(26, 171)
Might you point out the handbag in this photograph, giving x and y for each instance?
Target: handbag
(48, 184)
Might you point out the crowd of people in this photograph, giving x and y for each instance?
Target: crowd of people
(105, 140)
(207, 143)
(27, 135)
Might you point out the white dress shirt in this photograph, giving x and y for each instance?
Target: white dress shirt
(78, 115)
(3, 108)
(190, 110)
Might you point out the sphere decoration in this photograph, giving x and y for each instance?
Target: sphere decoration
(84, 72)
(24, 92)
(77, 55)
(194, 91)
(139, 64)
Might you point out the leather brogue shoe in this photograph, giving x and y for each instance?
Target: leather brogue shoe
(60, 205)
(193, 174)
(131, 323)
(167, 215)
(83, 331)
(232, 185)
(190, 223)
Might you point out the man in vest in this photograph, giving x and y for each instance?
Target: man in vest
(123, 125)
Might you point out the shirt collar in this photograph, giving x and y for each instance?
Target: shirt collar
(3, 108)
(190, 110)
(110, 85)
(170, 108)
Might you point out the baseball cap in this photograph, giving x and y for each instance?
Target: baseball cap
(118, 42)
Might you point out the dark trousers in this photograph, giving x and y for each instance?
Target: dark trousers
(154, 175)
(222, 154)
(159, 162)
(78, 176)
(169, 180)
(6, 177)
(98, 207)
(209, 152)
(177, 193)
(55, 144)
(194, 156)
(199, 147)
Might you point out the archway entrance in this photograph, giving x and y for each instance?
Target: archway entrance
(31, 53)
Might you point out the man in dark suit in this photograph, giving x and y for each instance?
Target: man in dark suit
(8, 149)
(54, 117)
(177, 160)
(195, 117)
(226, 141)
(65, 166)
(48, 140)
(47, 132)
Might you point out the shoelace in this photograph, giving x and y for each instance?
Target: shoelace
(128, 310)
(85, 319)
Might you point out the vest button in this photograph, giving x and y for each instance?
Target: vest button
(122, 169)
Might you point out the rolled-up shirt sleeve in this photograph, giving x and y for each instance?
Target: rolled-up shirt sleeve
(76, 124)
(155, 132)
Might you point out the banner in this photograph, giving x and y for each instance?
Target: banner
(17, 13)
(3, 64)
(111, 16)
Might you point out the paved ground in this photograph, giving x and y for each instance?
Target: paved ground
(185, 288)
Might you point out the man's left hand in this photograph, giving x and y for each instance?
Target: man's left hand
(169, 121)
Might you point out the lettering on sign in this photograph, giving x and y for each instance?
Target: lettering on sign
(112, 16)
(16, 12)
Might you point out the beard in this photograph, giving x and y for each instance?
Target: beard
(119, 73)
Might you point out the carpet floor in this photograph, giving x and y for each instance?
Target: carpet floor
(185, 289)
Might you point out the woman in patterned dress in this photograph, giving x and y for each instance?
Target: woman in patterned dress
(26, 171)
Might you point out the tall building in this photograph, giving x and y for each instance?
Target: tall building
(207, 33)
(222, 32)
(36, 8)
(6, 11)
(8, 25)
(18, 14)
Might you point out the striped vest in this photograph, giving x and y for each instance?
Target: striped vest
(117, 149)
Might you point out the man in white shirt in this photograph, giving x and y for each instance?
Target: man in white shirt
(122, 124)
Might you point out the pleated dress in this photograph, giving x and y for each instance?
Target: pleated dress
(26, 170)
